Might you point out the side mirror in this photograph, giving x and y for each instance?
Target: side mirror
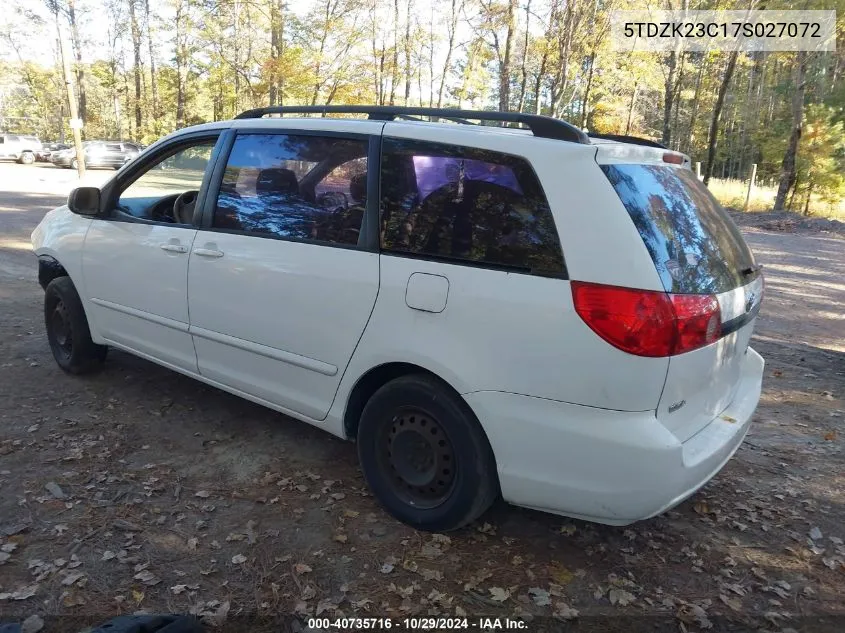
(84, 201)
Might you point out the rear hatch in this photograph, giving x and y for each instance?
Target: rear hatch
(697, 250)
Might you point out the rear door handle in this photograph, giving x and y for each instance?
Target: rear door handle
(208, 252)
(174, 248)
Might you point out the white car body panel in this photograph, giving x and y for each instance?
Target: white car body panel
(145, 307)
(577, 426)
(279, 319)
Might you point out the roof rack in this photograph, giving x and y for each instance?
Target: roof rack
(541, 126)
(624, 138)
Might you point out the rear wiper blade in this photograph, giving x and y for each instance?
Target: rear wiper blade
(750, 270)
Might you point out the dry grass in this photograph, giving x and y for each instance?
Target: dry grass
(731, 193)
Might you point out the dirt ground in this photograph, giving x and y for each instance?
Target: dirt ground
(138, 489)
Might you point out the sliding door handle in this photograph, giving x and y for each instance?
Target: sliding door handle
(174, 248)
(208, 252)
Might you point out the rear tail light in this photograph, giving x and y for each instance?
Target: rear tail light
(646, 322)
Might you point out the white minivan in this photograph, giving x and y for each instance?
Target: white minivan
(494, 304)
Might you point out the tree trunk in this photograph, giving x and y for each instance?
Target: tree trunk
(586, 100)
(677, 102)
(505, 66)
(788, 172)
(394, 75)
(452, 28)
(538, 82)
(524, 70)
(408, 51)
(631, 108)
(717, 112)
(181, 60)
(668, 98)
(136, 51)
(277, 50)
(695, 101)
(153, 80)
(77, 48)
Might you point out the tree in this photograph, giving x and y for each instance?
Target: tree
(788, 172)
(717, 113)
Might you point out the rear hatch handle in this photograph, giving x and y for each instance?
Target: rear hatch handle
(750, 270)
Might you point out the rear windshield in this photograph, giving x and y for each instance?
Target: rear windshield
(694, 244)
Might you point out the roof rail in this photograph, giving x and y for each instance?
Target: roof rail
(541, 126)
(624, 138)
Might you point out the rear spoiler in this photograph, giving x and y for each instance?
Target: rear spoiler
(623, 138)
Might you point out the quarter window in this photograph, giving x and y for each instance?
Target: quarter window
(297, 187)
(466, 204)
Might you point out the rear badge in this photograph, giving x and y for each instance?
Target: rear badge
(674, 268)
(676, 406)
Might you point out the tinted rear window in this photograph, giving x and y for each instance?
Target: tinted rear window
(466, 205)
(694, 244)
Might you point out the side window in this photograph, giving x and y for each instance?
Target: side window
(294, 187)
(466, 204)
(152, 194)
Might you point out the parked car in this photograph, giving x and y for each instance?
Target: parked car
(22, 148)
(557, 318)
(106, 154)
(49, 149)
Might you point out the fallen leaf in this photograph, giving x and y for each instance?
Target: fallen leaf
(302, 568)
(21, 594)
(430, 574)
(72, 577)
(815, 534)
(498, 594)
(218, 616)
(340, 537)
(108, 555)
(202, 494)
(386, 568)
(237, 559)
(830, 436)
(620, 597)
(54, 489)
(560, 574)
(733, 603)
(325, 605)
(193, 542)
(32, 624)
(148, 578)
(565, 612)
(540, 596)
(72, 599)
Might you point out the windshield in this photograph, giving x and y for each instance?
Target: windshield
(695, 246)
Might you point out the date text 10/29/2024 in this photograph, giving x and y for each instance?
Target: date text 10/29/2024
(417, 624)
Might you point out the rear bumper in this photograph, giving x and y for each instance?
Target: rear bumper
(606, 466)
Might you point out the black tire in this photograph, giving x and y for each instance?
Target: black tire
(74, 164)
(67, 329)
(425, 456)
(27, 158)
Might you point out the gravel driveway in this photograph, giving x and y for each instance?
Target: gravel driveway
(140, 489)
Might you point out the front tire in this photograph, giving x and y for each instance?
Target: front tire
(425, 456)
(68, 331)
(27, 158)
(74, 164)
